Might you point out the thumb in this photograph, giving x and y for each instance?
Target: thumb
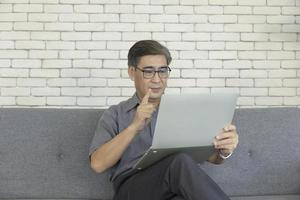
(146, 97)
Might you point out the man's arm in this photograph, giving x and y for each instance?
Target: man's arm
(224, 143)
(110, 153)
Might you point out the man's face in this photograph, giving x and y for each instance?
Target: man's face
(156, 84)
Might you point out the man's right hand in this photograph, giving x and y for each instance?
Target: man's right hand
(143, 113)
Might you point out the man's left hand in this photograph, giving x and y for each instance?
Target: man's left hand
(227, 140)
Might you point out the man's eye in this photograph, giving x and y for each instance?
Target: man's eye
(163, 70)
(148, 71)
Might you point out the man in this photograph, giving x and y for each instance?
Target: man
(125, 132)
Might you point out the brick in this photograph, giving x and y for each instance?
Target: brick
(43, 54)
(7, 45)
(239, 45)
(88, 8)
(211, 82)
(238, 28)
(104, 54)
(167, 36)
(5, 63)
(45, 91)
(281, 55)
(76, 36)
(290, 11)
(31, 82)
(268, 82)
(87, 63)
(266, 64)
(195, 36)
(127, 91)
(58, 8)
(178, 9)
(209, 27)
(91, 82)
(5, 8)
(44, 73)
(223, 2)
(255, 55)
(6, 26)
(194, 55)
(283, 36)
(208, 64)
(150, 27)
(106, 36)
(179, 27)
(268, 45)
(210, 45)
(290, 64)
(282, 91)
(237, 64)
(61, 82)
(267, 28)
(134, 18)
(292, 101)
(104, 18)
(269, 10)
(223, 73)
(90, 45)
(45, 1)
(118, 8)
(31, 101)
(134, 2)
(28, 8)
(291, 82)
(254, 91)
(192, 19)
(119, 82)
(252, 3)
(8, 82)
(249, 19)
(30, 45)
(74, 73)
(164, 18)
(235, 82)
(45, 35)
(281, 19)
(42, 17)
(118, 45)
(222, 55)
(13, 54)
(104, 1)
(281, 2)
(56, 63)
(75, 91)
(15, 91)
(31, 26)
(208, 9)
(119, 27)
(74, 1)
(245, 101)
(91, 101)
(75, 54)
(148, 9)
(282, 73)
(13, 17)
(195, 90)
(89, 27)
(115, 63)
(12, 35)
(181, 82)
(225, 36)
(63, 101)
(242, 10)
(253, 74)
(20, 63)
(60, 45)
(254, 36)
(106, 91)
(107, 73)
(59, 27)
(224, 90)
(73, 18)
(222, 19)
(165, 2)
(290, 28)
(181, 64)
(194, 73)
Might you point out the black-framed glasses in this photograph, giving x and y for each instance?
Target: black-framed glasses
(149, 71)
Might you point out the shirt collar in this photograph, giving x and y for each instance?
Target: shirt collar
(132, 102)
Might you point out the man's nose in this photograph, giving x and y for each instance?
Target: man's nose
(156, 77)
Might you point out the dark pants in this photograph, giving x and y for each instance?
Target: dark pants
(174, 177)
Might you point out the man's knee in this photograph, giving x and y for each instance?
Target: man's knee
(182, 159)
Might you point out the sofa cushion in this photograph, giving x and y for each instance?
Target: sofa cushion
(278, 197)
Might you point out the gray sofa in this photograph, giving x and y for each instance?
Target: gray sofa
(44, 155)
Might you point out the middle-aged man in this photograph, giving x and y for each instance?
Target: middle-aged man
(125, 132)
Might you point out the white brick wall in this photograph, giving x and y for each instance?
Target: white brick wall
(72, 53)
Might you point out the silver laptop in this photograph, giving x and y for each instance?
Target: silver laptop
(188, 123)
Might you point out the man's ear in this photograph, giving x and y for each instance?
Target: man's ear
(131, 72)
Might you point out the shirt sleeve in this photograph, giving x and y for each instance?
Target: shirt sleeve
(106, 129)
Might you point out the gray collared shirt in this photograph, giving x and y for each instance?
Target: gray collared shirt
(113, 121)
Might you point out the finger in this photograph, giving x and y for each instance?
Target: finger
(226, 147)
(224, 142)
(229, 127)
(224, 135)
(146, 97)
